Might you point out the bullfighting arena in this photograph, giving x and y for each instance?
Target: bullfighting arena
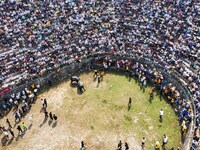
(99, 117)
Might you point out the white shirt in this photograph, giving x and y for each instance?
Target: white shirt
(5, 133)
(161, 112)
(165, 139)
(143, 140)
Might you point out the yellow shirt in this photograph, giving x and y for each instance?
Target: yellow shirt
(48, 23)
(33, 86)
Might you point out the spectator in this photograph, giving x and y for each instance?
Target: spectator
(161, 115)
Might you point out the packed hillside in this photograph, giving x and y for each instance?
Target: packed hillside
(38, 37)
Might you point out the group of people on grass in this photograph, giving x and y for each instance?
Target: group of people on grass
(46, 114)
(22, 128)
(21, 103)
(8, 130)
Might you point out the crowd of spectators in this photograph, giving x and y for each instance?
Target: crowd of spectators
(37, 37)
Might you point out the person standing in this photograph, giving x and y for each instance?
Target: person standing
(158, 146)
(82, 146)
(46, 114)
(143, 142)
(55, 118)
(126, 146)
(19, 129)
(51, 116)
(161, 115)
(95, 74)
(165, 140)
(45, 103)
(11, 132)
(16, 116)
(23, 126)
(119, 146)
(129, 103)
(99, 79)
(5, 132)
(42, 101)
(8, 122)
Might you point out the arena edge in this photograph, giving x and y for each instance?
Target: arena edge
(92, 62)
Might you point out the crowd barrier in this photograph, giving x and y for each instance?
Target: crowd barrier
(89, 62)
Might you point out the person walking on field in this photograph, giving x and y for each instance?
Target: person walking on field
(126, 146)
(51, 116)
(16, 116)
(165, 140)
(23, 126)
(129, 103)
(45, 103)
(8, 122)
(55, 118)
(99, 79)
(143, 142)
(82, 146)
(46, 114)
(42, 101)
(19, 129)
(161, 115)
(6, 134)
(158, 146)
(119, 146)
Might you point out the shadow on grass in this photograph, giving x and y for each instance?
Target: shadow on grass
(44, 121)
(23, 133)
(10, 141)
(50, 122)
(30, 126)
(17, 138)
(4, 141)
(16, 123)
(54, 125)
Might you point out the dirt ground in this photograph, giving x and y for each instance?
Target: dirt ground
(99, 119)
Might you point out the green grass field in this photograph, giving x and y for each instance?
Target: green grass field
(107, 111)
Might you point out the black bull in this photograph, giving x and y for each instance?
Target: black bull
(75, 79)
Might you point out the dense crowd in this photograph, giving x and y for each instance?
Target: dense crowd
(37, 37)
